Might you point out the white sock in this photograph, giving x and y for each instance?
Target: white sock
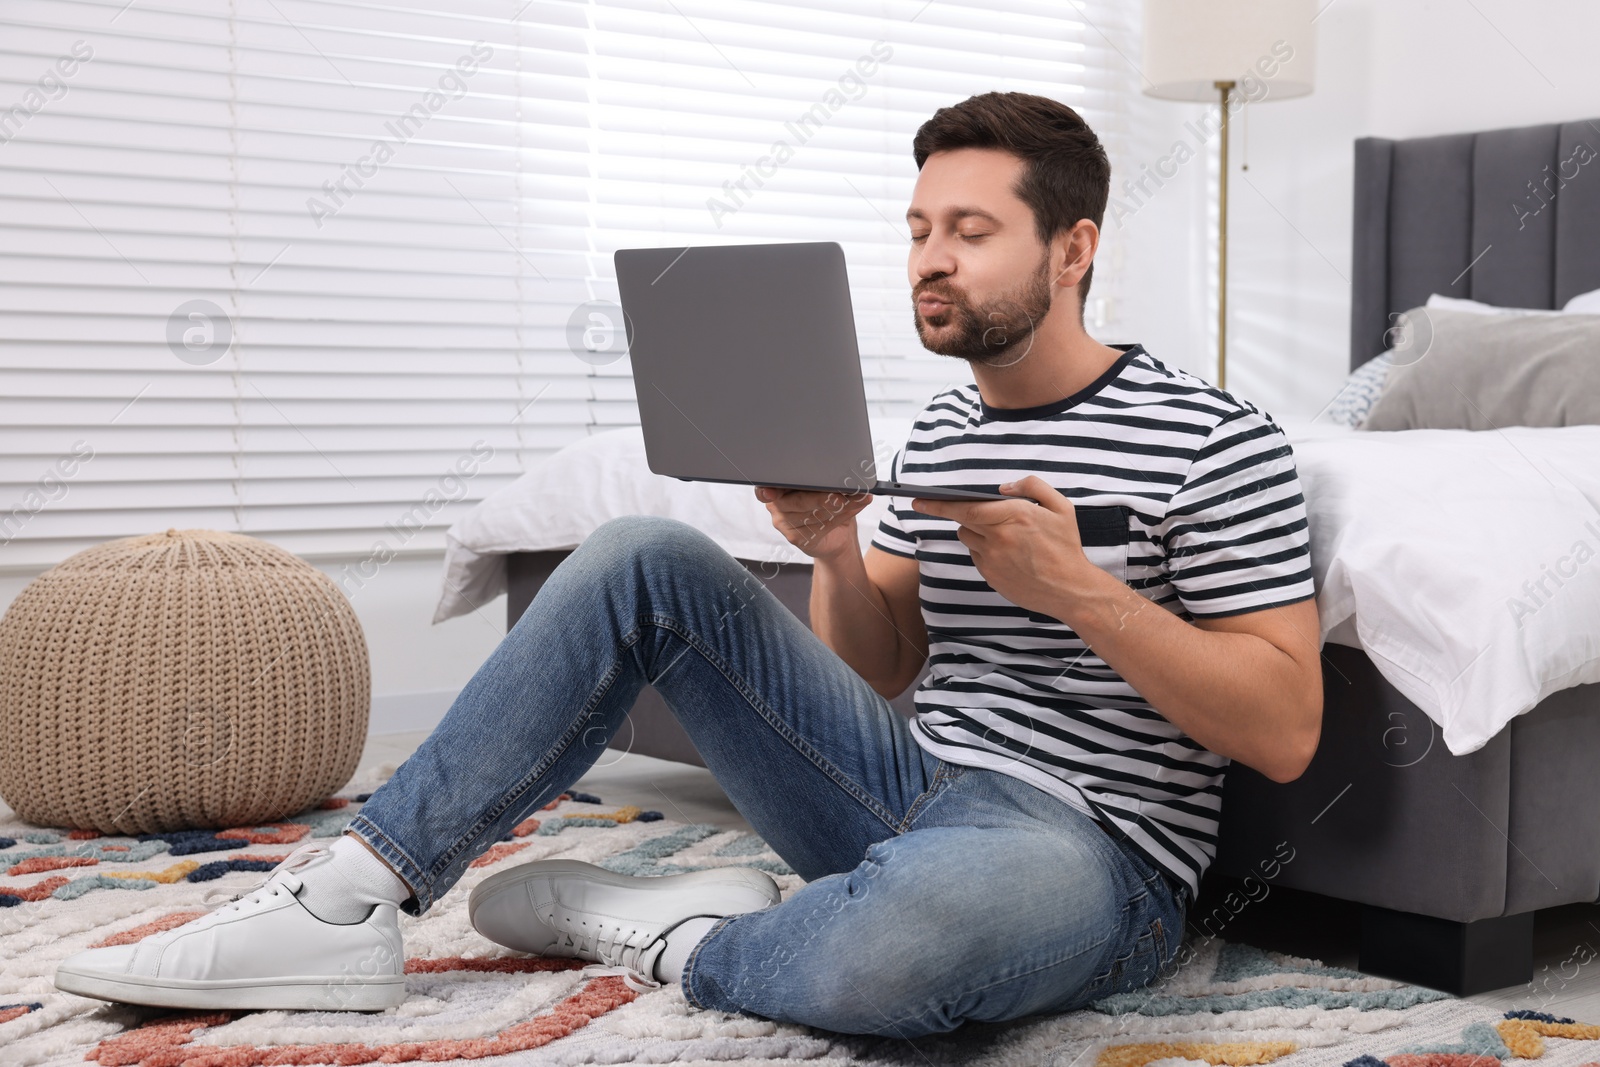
(343, 888)
(681, 941)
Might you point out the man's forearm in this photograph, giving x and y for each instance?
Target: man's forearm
(1237, 694)
(853, 618)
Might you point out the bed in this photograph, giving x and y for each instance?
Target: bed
(1449, 855)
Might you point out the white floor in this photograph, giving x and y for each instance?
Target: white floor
(1566, 967)
(677, 790)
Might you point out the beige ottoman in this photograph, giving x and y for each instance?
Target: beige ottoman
(187, 679)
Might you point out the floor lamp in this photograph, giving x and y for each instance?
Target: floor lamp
(1233, 52)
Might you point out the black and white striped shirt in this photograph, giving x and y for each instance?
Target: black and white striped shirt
(1183, 491)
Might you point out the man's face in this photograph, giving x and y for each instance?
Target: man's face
(980, 276)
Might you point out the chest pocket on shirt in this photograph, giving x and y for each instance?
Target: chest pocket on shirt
(1104, 532)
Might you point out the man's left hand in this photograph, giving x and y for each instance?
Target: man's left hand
(1029, 553)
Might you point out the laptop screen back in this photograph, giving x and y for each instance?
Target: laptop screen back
(745, 364)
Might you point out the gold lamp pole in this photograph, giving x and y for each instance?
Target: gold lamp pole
(1224, 87)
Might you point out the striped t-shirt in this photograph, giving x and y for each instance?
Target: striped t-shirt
(1183, 491)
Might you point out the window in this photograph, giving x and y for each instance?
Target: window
(321, 271)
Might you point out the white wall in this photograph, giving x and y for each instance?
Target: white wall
(1159, 277)
(1387, 68)
(417, 668)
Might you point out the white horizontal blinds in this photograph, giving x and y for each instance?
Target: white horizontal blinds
(107, 199)
(398, 292)
(697, 94)
(384, 339)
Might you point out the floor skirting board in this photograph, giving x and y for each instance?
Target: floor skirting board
(396, 713)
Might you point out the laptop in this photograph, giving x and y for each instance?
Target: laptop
(746, 368)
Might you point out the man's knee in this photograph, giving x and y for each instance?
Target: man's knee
(665, 564)
(645, 539)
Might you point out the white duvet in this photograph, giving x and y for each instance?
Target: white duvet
(1466, 564)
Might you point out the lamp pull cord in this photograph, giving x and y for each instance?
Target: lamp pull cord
(1245, 163)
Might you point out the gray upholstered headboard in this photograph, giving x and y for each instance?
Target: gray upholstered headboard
(1519, 207)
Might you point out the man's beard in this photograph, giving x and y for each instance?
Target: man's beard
(997, 332)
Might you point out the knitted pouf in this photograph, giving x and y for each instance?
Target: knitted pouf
(192, 678)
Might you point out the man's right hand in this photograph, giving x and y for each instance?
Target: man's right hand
(820, 524)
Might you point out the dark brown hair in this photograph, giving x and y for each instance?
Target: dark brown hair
(1067, 176)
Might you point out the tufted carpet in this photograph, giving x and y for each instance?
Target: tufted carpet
(470, 1000)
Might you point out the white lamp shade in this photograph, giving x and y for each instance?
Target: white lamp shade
(1268, 47)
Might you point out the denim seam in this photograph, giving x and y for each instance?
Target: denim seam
(941, 775)
(686, 981)
(1155, 931)
(1110, 970)
(798, 743)
(511, 795)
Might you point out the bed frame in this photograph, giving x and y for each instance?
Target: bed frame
(1449, 856)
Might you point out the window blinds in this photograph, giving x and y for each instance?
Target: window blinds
(329, 272)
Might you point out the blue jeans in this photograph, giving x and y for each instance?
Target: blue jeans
(935, 893)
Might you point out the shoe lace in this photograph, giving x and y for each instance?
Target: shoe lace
(281, 876)
(621, 950)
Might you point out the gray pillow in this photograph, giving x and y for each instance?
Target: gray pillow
(1456, 370)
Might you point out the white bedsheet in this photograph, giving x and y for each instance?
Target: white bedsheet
(1466, 564)
(562, 500)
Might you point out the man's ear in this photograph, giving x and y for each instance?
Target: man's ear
(1074, 251)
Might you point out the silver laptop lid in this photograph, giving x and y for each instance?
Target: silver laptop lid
(745, 364)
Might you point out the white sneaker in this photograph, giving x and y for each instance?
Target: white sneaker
(577, 910)
(261, 951)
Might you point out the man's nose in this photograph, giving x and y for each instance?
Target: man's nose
(932, 259)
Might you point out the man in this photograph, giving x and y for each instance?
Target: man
(1099, 648)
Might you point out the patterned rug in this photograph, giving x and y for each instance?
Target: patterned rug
(470, 1000)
